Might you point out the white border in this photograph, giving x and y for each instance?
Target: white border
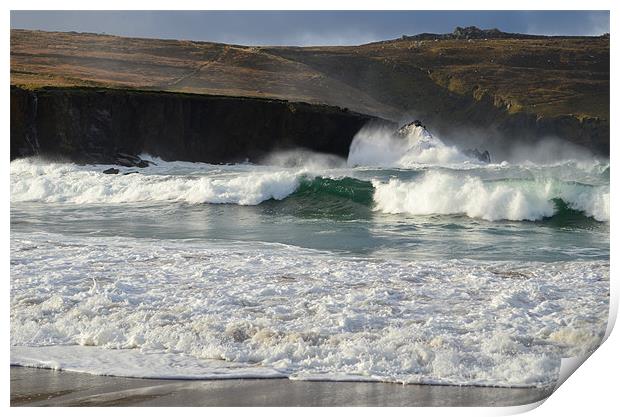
(311, 5)
(591, 390)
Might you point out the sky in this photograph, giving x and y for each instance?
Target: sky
(303, 28)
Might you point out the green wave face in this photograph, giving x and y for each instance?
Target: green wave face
(357, 191)
(565, 216)
(339, 199)
(350, 199)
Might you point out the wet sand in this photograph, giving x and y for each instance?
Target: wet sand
(41, 387)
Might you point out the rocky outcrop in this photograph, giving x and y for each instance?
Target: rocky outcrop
(474, 32)
(482, 156)
(92, 125)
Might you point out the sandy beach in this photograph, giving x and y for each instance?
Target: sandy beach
(41, 387)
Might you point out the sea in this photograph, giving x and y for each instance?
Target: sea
(406, 262)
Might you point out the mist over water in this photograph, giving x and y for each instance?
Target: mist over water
(303, 158)
(379, 147)
(406, 262)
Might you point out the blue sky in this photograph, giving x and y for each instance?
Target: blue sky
(306, 27)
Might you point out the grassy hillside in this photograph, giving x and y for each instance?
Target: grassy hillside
(68, 59)
(549, 77)
(442, 79)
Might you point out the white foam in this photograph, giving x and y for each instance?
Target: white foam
(150, 308)
(133, 363)
(435, 192)
(33, 180)
(378, 147)
(443, 193)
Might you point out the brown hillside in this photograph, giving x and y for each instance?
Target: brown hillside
(470, 82)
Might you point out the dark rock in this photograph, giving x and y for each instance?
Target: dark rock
(131, 172)
(111, 171)
(473, 32)
(133, 159)
(128, 160)
(404, 130)
(119, 124)
(482, 156)
(125, 162)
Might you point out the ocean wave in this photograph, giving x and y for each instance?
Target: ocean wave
(379, 147)
(430, 192)
(68, 183)
(150, 308)
(444, 193)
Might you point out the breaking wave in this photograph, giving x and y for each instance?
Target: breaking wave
(441, 193)
(428, 193)
(378, 147)
(67, 183)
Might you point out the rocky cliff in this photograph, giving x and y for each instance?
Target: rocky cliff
(92, 125)
(473, 87)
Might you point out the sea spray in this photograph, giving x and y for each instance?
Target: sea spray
(379, 147)
(303, 158)
(67, 183)
(428, 192)
(298, 277)
(444, 193)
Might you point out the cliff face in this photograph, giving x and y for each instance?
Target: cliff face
(498, 87)
(92, 125)
(490, 125)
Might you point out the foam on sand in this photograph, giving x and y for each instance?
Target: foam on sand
(262, 310)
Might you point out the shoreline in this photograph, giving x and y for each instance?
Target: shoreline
(45, 387)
